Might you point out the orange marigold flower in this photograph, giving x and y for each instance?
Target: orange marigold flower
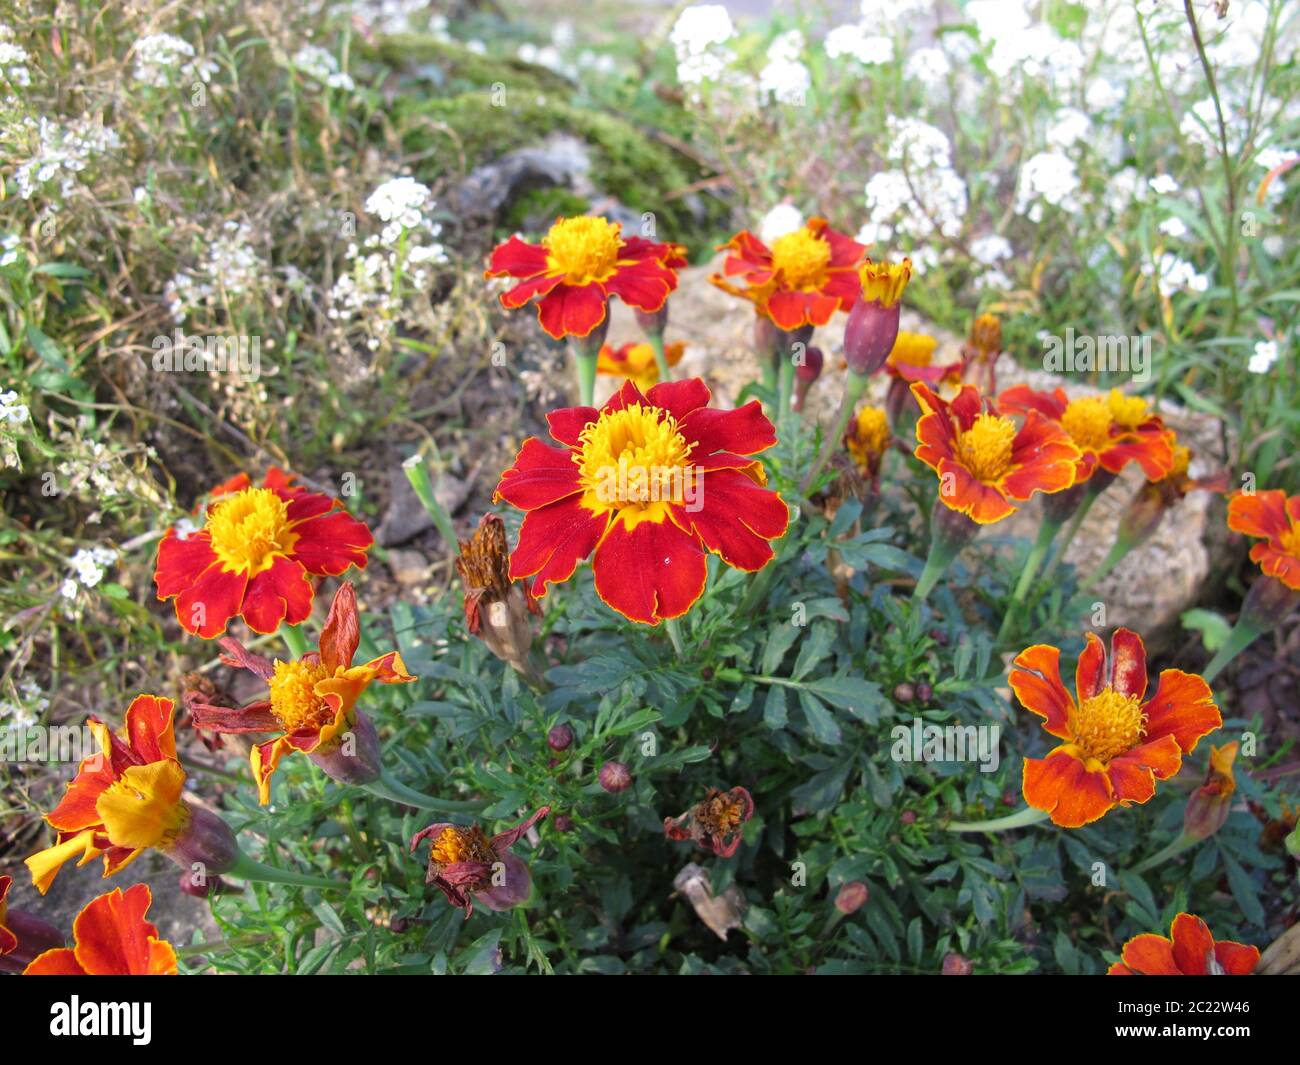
(715, 822)
(256, 554)
(128, 798)
(649, 483)
(578, 266)
(636, 362)
(1275, 520)
(802, 279)
(112, 939)
(22, 935)
(986, 465)
(311, 704)
(867, 440)
(1190, 950)
(1115, 742)
(1110, 431)
(467, 866)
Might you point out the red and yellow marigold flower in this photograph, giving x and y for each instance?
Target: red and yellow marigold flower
(801, 280)
(867, 440)
(112, 938)
(128, 799)
(1190, 950)
(912, 359)
(1110, 431)
(256, 555)
(636, 362)
(578, 266)
(311, 704)
(23, 936)
(988, 466)
(715, 822)
(647, 485)
(1274, 520)
(467, 866)
(1115, 742)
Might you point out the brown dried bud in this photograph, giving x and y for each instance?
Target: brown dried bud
(615, 777)
(851, 897)
(497, 609)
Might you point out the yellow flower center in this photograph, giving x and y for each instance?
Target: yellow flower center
(143, 807)
(913, 349)
(294, 701)
(1107, 725)
(583, 249)
(461, 845)
(986, 335)
(721, 813)
(1127, 411)
(985, 448)
(801, 258)
(1088, 422)
(883, 283)
(1291, 541)
(636, 456)
(870, 436)
(250, 530)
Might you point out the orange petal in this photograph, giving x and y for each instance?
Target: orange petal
(1183, 707)
(1150, 955)
(1193, 945)
(1061, 786)
(1036, 679)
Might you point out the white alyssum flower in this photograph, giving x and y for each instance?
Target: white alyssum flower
(25, 714)
(320, 64)
(1174, 227)
(162, 58)
(857, 41)
(787, 82)
(400, 200)
(1164, 185)
(699, 27)
(89, 564)
(1264, 357)
(1048, 177)
(11, 410)
(63, 151)
(990, 249)
(13, 59)
(1174, 274)
(928, 65)
(1070, 127)
(782, 219)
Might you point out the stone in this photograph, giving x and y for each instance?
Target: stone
(408, 566)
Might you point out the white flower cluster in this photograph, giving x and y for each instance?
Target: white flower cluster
(1048, 177)
(784, 77)
(1264, 357)
(11, 411)
(13, 60)
(88, 566)
(857, 40)
(9, 249)
(782, 219)
(12, 415)
(386, 17)
(929, 66)
(1173, 274)
(62, 152)
(368, 292)
(162, 59)
(698, 37)
(232, 267)
(319, 64)
(25, 714)
(923, 193)
(1023, 47)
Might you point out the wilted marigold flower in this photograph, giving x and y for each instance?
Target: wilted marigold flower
(1115, 742)
(637, 362)
(867, 439)
(312, 702)
(468, 866)
(579, 264)
(1209, 805)
(22, 935)
(256, 555)
(1190, 950)
(715, 822)
(112, 938)
(497, 608)
(1110, 431)
(802, 279)
(128, 799)
(649, 483)
(1275, 520)
(987, 466)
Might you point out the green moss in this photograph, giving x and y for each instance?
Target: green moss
(463, 70)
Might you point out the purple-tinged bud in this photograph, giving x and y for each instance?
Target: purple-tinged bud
(851, 897)
(562, 823)
(1267, 603)
(806, 371)
(924, 692)
(956, 965)
(353, 757)
(907, 817)
(653, 323)
(904, 692)
(560, 738)
(201, 887)
(34, 936)
(204, 846)
(872, 325)
(615, 777)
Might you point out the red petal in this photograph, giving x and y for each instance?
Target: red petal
(1036, 679)
(651, 571)
(58, 962)
(1090, 673)
(1263, 514)
(112, 935)
(279, 595)
(1150, 955)
(541, 475)
(789, 310)
(1193, 945)
(571, 311)
(568, 422)
(745, 431)
(645, 286)
(679, 398)
(1236, 959)
(517, 258)
(541, 285)
(342, 632)
(1061, 786)
(181, 561)
(553, 540)
(149, 728)
(329, 544)
(737, 519)
(214, 597)
(1128, 663)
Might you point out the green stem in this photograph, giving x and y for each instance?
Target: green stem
(854, 386)
(585, 365)
(661, 360)
(1182, 843)
(294, 639)
(1242, 636)
(247, 869)
(673, 627)
(1046, 534)
(942, 552)
(1019, 819)
(785, 389)
(389, 787)
(1118, 550)
(417, 472)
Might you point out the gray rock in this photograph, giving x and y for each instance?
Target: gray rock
(559, 161)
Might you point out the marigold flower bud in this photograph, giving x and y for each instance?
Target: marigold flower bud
(560, 737)
(653, 323)
(355, 757)
(907, 817)
(205, 844)
(924, 692)
(1209, 805)
(615, 777)
(872, 325)
(806, 372)
(904, 692)
(956, 965)
(851, 897)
